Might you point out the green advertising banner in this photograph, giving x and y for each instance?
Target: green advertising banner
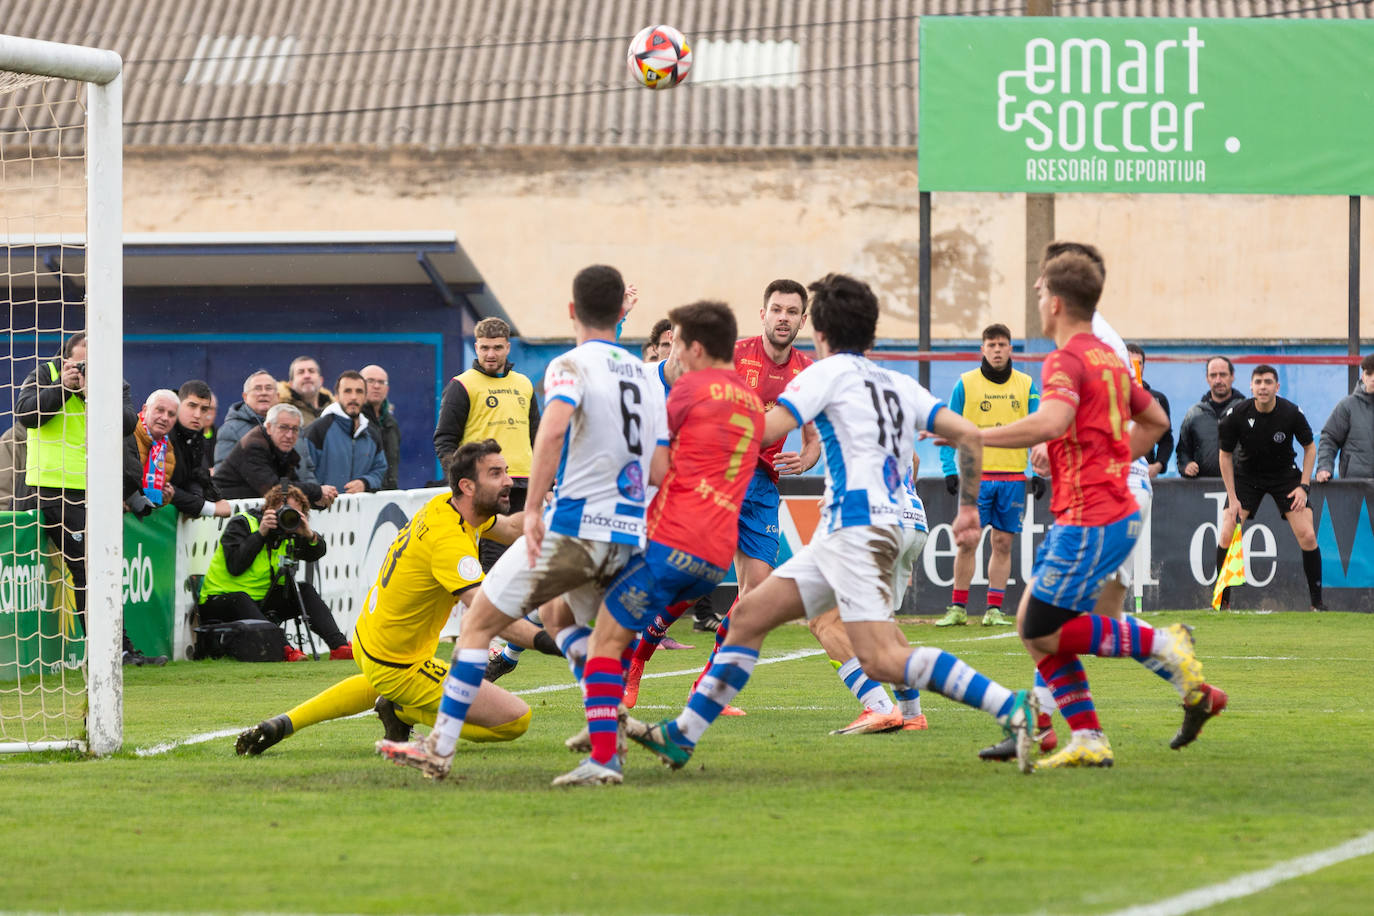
(150, 559)
(33, 588)
(1203, 106)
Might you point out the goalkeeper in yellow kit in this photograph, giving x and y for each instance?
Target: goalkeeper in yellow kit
(431, 565)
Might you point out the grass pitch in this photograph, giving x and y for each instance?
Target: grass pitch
(772, 815)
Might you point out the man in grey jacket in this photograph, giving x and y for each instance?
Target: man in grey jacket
(1350, 431)
(259, 395)
(1197, 435)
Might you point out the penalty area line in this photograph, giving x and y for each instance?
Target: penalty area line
(1254, 882)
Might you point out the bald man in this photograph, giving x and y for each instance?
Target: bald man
(377, 409)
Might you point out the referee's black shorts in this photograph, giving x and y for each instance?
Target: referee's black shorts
(1251, 491)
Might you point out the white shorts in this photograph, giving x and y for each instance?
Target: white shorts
(913, 542)
(578, 570)
(855, 569)
(1144, 495)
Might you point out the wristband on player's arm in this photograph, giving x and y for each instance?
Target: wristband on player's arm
(951, 484)
(1306, 487)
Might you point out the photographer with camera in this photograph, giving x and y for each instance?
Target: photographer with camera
(252, 574)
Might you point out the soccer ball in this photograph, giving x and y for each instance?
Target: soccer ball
(659, 57)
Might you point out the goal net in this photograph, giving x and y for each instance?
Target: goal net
(61, 412)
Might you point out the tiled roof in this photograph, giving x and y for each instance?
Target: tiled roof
(455, 73)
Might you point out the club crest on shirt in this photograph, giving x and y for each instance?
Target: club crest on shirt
(1279, 436)
(630, 482)
(891, 477)
(470, 568)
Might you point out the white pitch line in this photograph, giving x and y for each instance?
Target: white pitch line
(167, 746)
(1254, 882)
(790, 656)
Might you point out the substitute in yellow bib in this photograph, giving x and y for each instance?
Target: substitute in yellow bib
(432, 565)
(994, 394)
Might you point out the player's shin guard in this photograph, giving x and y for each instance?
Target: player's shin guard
(572, 642)
(460, 690)
(1069, 683)
(604, 689)
(1092, 634)
(866, 690)
(717, 688)
(932, 668)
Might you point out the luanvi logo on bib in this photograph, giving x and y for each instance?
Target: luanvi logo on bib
(1043, 104)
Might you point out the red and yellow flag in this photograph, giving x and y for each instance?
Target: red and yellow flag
(1232, 570)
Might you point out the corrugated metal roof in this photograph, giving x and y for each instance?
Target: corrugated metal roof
(456, 73)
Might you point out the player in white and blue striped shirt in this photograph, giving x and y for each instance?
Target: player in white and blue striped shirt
(867, 417)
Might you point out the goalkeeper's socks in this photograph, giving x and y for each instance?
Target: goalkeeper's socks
(716, 689)
(868, 691)
(460, 690)
(346, 698)
(932, 668)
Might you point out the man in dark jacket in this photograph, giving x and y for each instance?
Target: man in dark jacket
(196, 493)
(149, 460)
(264, 456)
(259, 396)
(380, 414)
(1349, 430)
(346, 449)
(1197, 434)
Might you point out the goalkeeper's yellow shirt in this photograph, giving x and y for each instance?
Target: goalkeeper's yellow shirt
(432, 560)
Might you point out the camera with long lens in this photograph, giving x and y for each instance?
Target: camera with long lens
(288, 519)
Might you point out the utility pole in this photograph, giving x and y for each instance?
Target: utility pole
(1039, 215)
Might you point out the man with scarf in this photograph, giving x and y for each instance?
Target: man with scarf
(994, 394)
(149, 459)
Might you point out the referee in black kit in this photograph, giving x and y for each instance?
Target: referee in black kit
(1264, 427)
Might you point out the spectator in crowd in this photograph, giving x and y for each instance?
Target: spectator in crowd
(196, 493)
(1256, 440)
(347, 450)
(304, 389)
(149, 459)
(266, 456)
(382, 416)
(209, 431)
(491, 401)
(52, 406)
(1158, 455)
(660, 342)
(1196, 455)
(1350, 431)
(245, 580)
(259, 394)
(15, 494)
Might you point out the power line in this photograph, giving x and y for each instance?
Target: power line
(458, 103)
(516, 43)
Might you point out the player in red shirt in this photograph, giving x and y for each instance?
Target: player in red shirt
(716, 426)
(1096, 421)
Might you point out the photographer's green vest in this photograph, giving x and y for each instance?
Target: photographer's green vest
(255, 581)
(57, 446)
(499, 408)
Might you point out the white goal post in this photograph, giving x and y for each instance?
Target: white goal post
(100, 72)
